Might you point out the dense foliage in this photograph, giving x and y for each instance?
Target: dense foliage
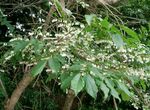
(71, 58)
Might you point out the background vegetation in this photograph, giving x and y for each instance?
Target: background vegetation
(74, 55)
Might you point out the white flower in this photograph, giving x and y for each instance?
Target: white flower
(121, 49)
(50, 3)
(18, 25)
(39, 27)
(66, 66)
(30, 33)
(60, 25)
(40, 20)
(54, 20)
(82, 26)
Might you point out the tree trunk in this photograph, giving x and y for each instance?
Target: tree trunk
(69, 100)
(11, 102)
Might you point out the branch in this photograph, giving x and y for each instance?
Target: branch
(4, 90)
(115, 104)
(26, 80)
(48, 18)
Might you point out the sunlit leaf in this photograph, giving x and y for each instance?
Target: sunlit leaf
(130, 32)
(106, 24)
(59, 8)
(125, 97)
(142, 82)
(117, 39)
(89, 18)
(134, 36)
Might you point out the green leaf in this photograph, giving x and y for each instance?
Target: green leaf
(4, 21)
(54, 64)
(59, 8)
(131, 33)
(66, 80)
(117, 39)
(61, 59)
(106, 24)
(91, 86)
(75, 67)
(105, 90)
(113, 92)
(37, 48)
(124, 96)
(37, 69)
(50, 77)
(96, 72)
(19, 45)
(77, 83)
(142, 82)
(115, 30)
(89, 18)
(123, 88)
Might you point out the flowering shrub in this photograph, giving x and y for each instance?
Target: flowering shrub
(91, 57)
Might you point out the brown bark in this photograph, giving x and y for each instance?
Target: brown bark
(69, 100)
(26, 80)
(48, 18)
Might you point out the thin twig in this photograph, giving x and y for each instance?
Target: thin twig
(115, 104)
(4, 90)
